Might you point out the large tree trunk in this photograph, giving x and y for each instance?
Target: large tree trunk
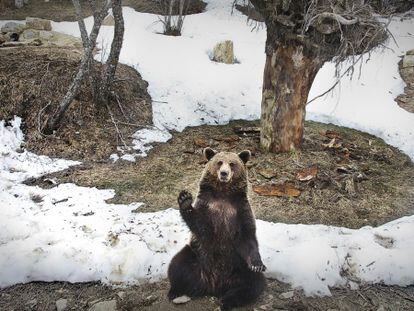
(288, 77)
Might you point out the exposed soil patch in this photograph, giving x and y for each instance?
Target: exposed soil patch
(81, 296)
(62, 10)
(341, 177)
(34, 79)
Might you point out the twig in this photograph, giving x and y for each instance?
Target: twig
(120, 106)
(116, 127)
(351, 67)
(39, 117)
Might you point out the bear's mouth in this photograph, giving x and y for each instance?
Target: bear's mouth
(224, 179)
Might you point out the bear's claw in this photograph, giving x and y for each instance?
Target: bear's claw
(260, 268)
(185, 200)
(257, 265)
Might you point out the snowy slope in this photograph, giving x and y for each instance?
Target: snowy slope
(189, 89)
(69, 233)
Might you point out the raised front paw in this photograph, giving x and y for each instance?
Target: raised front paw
(257, 266)
(185, 200)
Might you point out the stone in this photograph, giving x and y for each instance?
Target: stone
(223, 52)
(38, 23)
(3, 38)
(287, 295)
(181, 300)
(32, 303)
(51, 38)
(410, 52)
(61, 304)
(108, 305)
(108, 21)
(408, 61)
(13, 27)
(121, 295)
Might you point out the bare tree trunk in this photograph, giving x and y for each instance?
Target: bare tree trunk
(288, 77)
(113, 58)
(170, 12)
(18, 3)
(54, 121)
(180, 21)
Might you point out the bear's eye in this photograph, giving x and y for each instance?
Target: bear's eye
(220, 163)
(231, 164)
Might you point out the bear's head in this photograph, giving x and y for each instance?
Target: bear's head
(226, 168)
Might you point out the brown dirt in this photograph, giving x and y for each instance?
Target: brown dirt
(373, 186)
(32, 90)
(62, 10)
(80, 296)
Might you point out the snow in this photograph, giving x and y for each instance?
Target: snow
(70, 233)
(189, 89)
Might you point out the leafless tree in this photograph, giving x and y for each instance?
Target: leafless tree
(301, 36)
(173, 23)
(101, 80)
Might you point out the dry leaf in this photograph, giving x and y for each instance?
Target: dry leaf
(307, 173)
(228, 139)
(286, 189)
(200, 142)
(267, 173)
(332, 134)
(333, 144)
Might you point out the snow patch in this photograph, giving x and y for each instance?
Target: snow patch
(70, 233)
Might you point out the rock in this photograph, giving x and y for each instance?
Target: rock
(51, 38)
(410, 52)
(121, 295)
(61, 304)
(13, 27)
(408, 61)
(223, 52)
(108, 305)
(287, 295)
(32, 303)
(38, 23)
(108, 21)
(181, 299)
(3, 38)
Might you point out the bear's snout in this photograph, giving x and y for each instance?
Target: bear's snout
(225, 173)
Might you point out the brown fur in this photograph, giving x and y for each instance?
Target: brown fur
(222, 258)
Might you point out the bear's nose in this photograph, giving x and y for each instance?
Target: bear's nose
(223, 174)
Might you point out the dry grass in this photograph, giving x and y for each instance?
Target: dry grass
(386, 191)
(34, 79)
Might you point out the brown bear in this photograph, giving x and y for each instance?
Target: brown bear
(222, 258)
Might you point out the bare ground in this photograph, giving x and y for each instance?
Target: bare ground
(360, 180)
(81, 296)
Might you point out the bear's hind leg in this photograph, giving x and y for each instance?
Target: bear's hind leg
(184, 273)
(245, 292)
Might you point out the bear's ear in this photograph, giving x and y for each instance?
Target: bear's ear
(209, 153)
(245, 156)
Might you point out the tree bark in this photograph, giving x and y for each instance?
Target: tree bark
(287, 80)
(113, 58)
(54, 121)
